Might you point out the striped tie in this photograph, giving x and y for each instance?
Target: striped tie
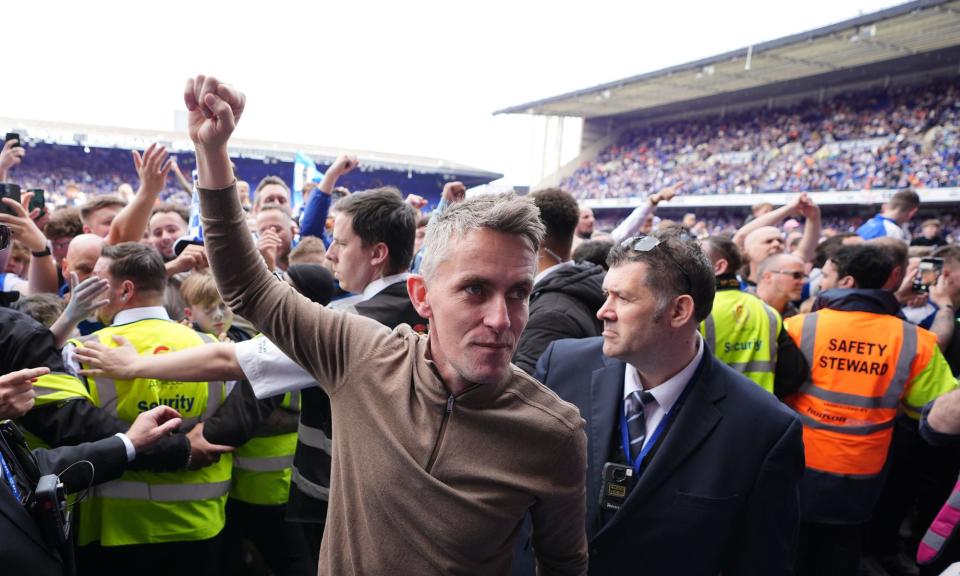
(636, 420)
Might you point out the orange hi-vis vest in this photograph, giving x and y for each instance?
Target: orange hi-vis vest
(862, 366)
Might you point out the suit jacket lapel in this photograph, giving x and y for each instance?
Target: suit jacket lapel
(19, 517)
(696, 419)
(606, 393)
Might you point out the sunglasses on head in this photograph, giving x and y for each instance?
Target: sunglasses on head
(644, 243)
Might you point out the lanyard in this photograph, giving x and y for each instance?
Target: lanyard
(652, 440)
(8, 476)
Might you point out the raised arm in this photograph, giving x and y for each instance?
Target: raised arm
(43, 271)
(198, 364)
(314, 219)
(807, 249)
(771, 218)
(313, 336)
(632, 224)
(453, 192)
(11, 155)
(318, 206)
(343, 165)
(185, 184)
(152, 168)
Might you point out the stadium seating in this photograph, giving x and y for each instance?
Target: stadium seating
(892, 138)
(102, 170)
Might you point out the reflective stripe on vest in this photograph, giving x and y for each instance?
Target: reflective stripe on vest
(310, 478)
(754, 366)
(710, 332)
(50, 389)
(314, 438)
(126, 490)
(107, 392)
(739, 313)
(261, 466)
(58, 386)
(268, 464)
(944, 527)
(860, 367)
(309, 488)
(262, 469)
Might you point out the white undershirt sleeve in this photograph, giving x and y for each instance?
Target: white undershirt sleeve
(269, 371)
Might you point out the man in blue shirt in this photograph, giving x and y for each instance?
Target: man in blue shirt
(901, 207)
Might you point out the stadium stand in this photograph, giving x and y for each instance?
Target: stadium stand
(850, 113)
(872, 139)
(98, 160)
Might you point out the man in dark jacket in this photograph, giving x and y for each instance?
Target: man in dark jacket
(27, 546)
(63, 414)
(708, 464)
(566, 295)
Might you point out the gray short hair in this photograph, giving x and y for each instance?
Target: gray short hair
(504, 213)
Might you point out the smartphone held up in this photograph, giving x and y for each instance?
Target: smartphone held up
(927, 274)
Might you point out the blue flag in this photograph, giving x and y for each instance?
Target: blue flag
(304, 170)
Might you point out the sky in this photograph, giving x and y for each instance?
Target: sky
(412, 77)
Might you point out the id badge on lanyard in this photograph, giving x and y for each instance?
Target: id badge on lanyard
(652, 440)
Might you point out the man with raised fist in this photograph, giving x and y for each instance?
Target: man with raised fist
(442, 446)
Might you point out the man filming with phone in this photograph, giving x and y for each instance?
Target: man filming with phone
(16, 219)
(11, 155)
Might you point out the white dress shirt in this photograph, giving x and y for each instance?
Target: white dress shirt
(371, 290)
(666, 394)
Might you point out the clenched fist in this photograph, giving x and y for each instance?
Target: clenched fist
(215, 108)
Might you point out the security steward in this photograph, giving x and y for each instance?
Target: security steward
(265, 434)
(865, 364)
(172, 518)
(60, 413)
(745, 333)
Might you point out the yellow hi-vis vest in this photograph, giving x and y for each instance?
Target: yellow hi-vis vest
(50, 389)
(262, 466)
(742, 331)
(152, 507)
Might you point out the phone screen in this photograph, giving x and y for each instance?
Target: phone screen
(37, 202)
(11, 191)
(927, 274)
(14, 136)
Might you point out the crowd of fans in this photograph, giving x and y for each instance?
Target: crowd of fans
(885, 138)
(71, 173)
(259, 425)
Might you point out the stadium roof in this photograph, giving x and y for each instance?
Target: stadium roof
(139, 139)
(909, 37)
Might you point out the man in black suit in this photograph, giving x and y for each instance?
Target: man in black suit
(371, 252)
(24, 550)
(714, 460)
